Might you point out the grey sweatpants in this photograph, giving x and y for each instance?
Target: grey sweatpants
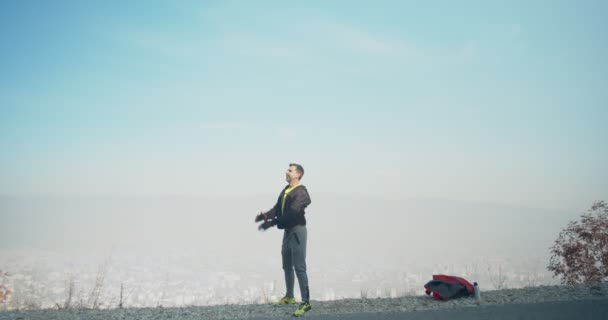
(293, 252)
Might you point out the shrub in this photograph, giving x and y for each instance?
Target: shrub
(580, 253)
(4, 290)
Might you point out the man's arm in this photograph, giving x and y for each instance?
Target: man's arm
(298, 204)
(269, 218)
(301, 201)
(273, 212)
(268, 215)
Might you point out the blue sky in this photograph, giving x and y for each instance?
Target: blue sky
(479, 101)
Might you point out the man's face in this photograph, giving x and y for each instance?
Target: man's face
(291, 174)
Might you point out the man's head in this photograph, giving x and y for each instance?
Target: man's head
(294, 172)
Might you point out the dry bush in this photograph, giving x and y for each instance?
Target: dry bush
(123, 299)
(69, 293)
(265, 296)
(365, 293)
(26, 294)
(5, 291)
(159, 304)
(580, 253)
(94, 298)
(498, 278)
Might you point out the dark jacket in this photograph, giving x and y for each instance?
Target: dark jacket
(295, 203)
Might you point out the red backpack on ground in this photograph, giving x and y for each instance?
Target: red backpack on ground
(445, 287)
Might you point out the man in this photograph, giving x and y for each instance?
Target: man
(288, 214)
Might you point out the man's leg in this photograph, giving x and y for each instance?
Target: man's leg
(299, 260)
(286, 254)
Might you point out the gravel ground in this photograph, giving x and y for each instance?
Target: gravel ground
(595, 309)
(348, 308)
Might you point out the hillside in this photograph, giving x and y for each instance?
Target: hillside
(355, 308)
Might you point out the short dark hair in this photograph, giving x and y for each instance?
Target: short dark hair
(299, 169)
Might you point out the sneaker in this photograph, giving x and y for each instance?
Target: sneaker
(304, 306)
(285, 300)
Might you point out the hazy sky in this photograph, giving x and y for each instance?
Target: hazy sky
(498, 101)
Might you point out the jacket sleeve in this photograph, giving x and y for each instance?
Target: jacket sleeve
(272, 213)
(300, 201)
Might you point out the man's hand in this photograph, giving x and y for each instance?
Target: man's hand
(260, 217)
(265, 225)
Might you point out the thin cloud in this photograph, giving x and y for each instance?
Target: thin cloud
(163, 44)
(516, 31)
(362, 41)
(467, 51)
(249, 45)
(221, 125)
(387, 172)
(328, 37)
(286, 134)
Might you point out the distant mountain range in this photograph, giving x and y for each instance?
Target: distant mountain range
(352, 227)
